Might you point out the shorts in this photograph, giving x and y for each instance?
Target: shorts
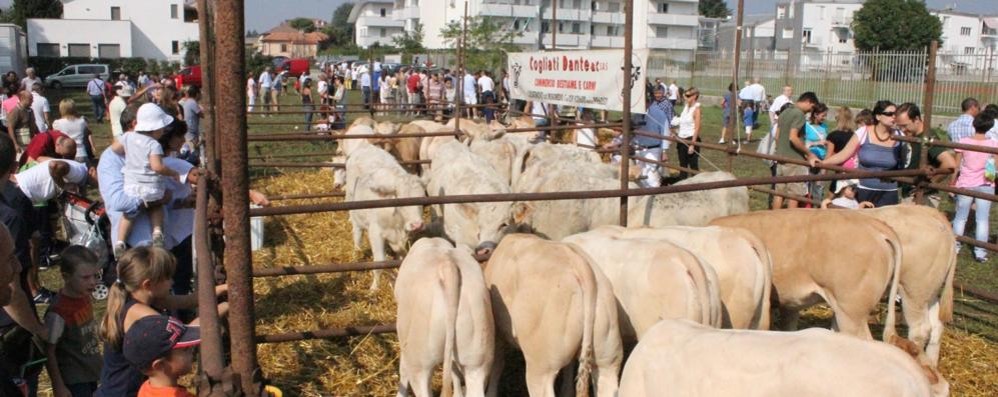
(23, 136)
(470, 99)
(147, 192)
(796, 188)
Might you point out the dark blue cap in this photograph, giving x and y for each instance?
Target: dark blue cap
(153, 337)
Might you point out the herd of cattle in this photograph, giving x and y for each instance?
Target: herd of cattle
(686, 290)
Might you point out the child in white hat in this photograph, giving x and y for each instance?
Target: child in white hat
(845, 196)
(144, 170)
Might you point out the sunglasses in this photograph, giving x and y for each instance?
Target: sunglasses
(689, 95)
(888, 114)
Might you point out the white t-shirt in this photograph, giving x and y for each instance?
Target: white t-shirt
(36, 182)
(75, 129)
(778, 103)
(686, 121)
(469, 85)
(40, 106)
(116, 108)
(137, 169)
(323, 87)
(28, 83)
(265, 80)
(251, 87)
(486, 83)
(673, 92)
(846, 203)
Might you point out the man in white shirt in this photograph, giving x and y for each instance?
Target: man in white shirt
(250, 94)
(40, 107)
(783, 99)
(47, 179)
(28, 82)
(117, 106)
(365, 87)
(673, 93)
(323, 87)
(487, 86)
(470, 91)
(751, 96)
(266, 83)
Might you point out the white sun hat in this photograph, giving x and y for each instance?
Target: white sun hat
(151, 118)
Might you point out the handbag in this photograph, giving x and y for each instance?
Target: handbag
(989, 169)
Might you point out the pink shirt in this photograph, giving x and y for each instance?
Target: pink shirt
(972, 166)
(10, 103)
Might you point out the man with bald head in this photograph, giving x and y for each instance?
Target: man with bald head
(49, 145)
(21, 124)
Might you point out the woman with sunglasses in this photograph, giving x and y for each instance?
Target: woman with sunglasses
(877, 151)
(689, 130)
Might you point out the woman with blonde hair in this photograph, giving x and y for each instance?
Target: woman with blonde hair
(75, 127)
(689, 131)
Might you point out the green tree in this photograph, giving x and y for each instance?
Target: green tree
(192, 52)
(304, 24)
(895, 25)
(487, 42)
(410, 42)
(714, 9)
(340, 31)
(24, 9)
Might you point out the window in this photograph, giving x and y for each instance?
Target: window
(807, 35)
(108, 51)
(843, 37)
(173, 11)
(613, 7)
(661, 31)
(561, 27)
(48, 49)
(781, 11)
(576, 4)
(115, 13)
(284, 48)
(79, 50)
(968, 50)
(382, 32)
(91, 70)
(965, 31)
(790, 12)
(576, 28)
(545, 27)
(382, 12)
(663, 8)
(821, 13)
(594, 6)
(175, 45)
(788, 33)
(362, 32)
(592, 30)
(516, 24)
(609, 31)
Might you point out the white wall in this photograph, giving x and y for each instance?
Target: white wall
(953, 39)
(822, 20)
(92, 32)
(152, 29)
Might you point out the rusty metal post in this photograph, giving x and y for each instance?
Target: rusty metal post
(212, 354)
(625, 146)
(733, 120)
(207, 47)
(231, 112)
(930, 85)
(554, 24)
(459, 94)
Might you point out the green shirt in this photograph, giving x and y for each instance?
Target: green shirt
(914, 160)
(792, 118)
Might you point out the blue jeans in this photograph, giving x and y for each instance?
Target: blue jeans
(981, 215)
(98, 101)
(308, 116)
(366, 92)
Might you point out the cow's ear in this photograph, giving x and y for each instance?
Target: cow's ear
(469, 210)
(521, 211)
(380, 187)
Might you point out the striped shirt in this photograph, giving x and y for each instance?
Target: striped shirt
(962, 127)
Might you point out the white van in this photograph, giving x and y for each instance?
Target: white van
(77, 75)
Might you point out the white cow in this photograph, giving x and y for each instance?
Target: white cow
(346, 146)
(457, 171)
(444, 316)
(682, 358)
(741, 261)
(373, 174)
(653, 279)
(428, 145)
(552, 304)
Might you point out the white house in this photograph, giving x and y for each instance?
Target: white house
(155, 29)
(658, 24)
(815, 28)
(373, 23)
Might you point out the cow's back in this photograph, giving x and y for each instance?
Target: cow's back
(694, 208)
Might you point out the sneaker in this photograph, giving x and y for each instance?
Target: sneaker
(119, 249)
(157, 239)
(981, 259)
(44, 296)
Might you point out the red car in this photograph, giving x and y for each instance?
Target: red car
(190, 75)
(295, 67)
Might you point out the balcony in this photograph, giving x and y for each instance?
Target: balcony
(606, 42)
(841, 22)
(814, 42)
(568, 14)
(380, 22)
(402, 14)
(673, 19)
(608, 17)
(367, 41)
(671, 43)
(510, 10)
(528, 38)
(564, 39)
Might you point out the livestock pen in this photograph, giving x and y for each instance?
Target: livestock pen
(223, 241)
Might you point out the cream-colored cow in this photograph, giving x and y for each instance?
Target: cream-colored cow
(653, 279)
(682, 358)
(741, 261)
(927, 267)
(444, 316)
(845, 258)
(552, 304)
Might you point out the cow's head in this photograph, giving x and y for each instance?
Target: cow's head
(939, 385)
(339, 172)
(479, 226)
(412, 216)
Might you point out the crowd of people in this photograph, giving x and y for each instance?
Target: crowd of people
(145, 180)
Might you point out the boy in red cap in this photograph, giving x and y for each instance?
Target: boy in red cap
(163, 349)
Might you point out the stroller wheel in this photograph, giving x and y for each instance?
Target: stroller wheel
(100, 293)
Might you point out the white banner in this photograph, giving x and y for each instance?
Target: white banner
(592, 79)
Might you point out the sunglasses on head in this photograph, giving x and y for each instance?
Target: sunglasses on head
(689, 95)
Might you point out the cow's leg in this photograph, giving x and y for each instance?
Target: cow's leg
(498, 365)
(935, 334)
(852, 319)
(607, 380)
(358, 235)
(540, 380)
(475, 380)
(420, 381)
(788, 318)
(566, 379)
(377, 241)
(404, 382)
(916, 315)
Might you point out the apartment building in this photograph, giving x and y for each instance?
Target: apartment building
(581, 24)
(758, 34)
(153, 29)
(374, 22)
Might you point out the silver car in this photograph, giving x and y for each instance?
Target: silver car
(77, 75)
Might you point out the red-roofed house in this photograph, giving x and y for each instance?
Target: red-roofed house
(285, 40)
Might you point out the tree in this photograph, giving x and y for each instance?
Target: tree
(714, 9)
(24, 9)
(340, 31)
(486, 43)
(303, 24)
(192, 52)
(410, 42)
(895, 25)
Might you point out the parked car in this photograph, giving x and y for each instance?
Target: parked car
(295, 67)
(190, 75)
(77, 75)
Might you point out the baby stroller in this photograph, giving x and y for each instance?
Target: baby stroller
(87, 224)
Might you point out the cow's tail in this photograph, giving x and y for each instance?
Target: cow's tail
(587, 281)
(450, 278)
(946, 299)
(763, 281)
(889, 329)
